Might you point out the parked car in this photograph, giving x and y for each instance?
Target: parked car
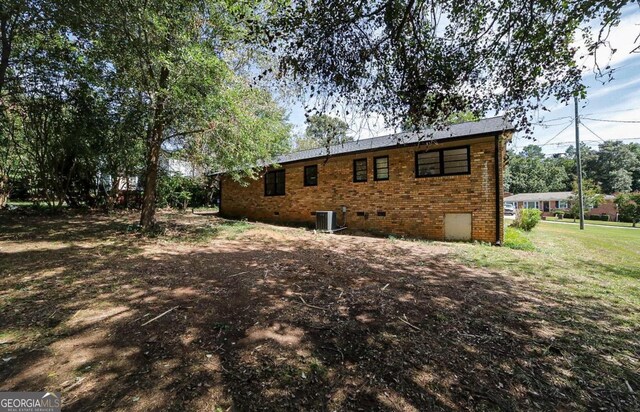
(509, 210)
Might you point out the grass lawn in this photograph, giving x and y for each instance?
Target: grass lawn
(212, 314)
(597, 262)
(591, 222)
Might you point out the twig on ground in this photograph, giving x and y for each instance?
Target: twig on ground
(141, 317)
(237, 274)
(77, 383)
(407, 322)
(160, 315)
(311, 306)
(628, 386)
(385, 286)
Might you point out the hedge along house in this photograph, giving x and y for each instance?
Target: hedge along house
(443, 185)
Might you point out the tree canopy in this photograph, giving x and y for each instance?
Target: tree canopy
(104, 88)
(614, 167)
(423, 61)
(323, 131)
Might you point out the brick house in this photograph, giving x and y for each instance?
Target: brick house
(545, 202)
(548, 202)
(447, 189)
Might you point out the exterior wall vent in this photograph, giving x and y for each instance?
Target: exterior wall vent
(326, 221)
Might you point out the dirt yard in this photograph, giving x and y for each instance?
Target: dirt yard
(258, 317)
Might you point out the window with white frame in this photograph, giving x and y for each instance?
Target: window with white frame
(531, 205)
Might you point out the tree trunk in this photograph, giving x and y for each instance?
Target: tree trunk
(5, 50)
(147, 218)
(154, 143)
(4, 190)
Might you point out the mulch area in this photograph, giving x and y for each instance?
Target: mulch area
(280, 318)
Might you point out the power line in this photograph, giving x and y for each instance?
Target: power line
(557, 134)
(611, 121)
(592, 132)
(615, 111)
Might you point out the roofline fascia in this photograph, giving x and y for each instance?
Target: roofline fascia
(401, 145)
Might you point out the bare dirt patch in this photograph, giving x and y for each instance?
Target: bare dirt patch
(274, 318)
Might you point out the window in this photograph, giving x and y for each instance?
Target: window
(311, 175)
(360, 170)
(381, 168)
(443, 162)
(456, 161)
(427, 164)
(531, 205)
(563, 204)
(274, 183)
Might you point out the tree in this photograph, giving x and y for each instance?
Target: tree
(530, 172)
(424, 61)
(629, 207)
(323, 131)
(172, 53)
(619, 181)
(591, 197)
(615, 165)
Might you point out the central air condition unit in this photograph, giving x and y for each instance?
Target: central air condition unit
(326, 221)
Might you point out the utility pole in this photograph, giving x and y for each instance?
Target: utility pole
(579, 165)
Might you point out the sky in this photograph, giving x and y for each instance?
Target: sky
(617, 102)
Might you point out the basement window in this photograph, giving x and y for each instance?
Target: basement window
(360, 170)
(311, 175)
(274, 183)
(381, 168)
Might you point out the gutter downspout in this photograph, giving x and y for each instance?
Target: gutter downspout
(497, 179)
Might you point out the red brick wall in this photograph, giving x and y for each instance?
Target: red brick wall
(414, 206)
(606, 207)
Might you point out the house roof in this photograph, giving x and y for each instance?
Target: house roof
(538, 197)
(544, 196)
(487, 126)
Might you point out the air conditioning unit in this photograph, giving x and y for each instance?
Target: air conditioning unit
(326, 221)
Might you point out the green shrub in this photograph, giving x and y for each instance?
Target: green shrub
(517, 239)
(604, 217)
(181, 192)
(527, 219)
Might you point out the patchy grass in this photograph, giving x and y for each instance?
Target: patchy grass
(258, 317)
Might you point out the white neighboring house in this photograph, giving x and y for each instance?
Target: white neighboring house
(546, 201)
(180, 167)
(124, 183)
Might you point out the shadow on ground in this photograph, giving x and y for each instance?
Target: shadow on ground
(281, 319)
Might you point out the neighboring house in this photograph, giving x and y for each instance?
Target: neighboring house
(450, 188)
(548, 202)
(180, 167)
